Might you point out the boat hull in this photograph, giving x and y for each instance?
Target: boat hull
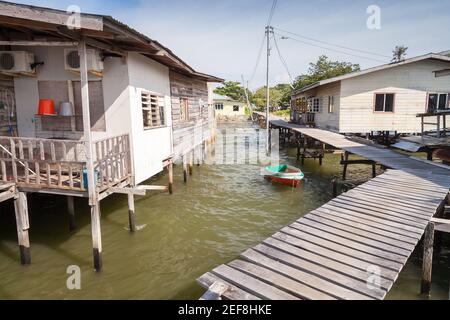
(287, 182)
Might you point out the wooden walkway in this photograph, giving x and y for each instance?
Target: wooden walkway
(336, 250)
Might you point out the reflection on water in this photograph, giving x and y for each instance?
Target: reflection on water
(222, 211)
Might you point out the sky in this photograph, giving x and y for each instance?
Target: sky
(223, 37)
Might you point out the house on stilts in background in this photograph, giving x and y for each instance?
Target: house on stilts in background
(386, 98)
(115, 109)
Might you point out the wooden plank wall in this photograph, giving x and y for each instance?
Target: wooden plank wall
(188, 134)
(6, 85)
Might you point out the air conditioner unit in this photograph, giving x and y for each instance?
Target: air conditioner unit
(16, 61)
(72, 60)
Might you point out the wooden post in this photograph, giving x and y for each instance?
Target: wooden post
(92, 191)
(131, 213)
(71, 211)
(185, 169)
(374, 170)
(427, 259)
(23, 225)
(170, 169)
(191, 163)
(344, 173)
(335, 188)
(96, 237)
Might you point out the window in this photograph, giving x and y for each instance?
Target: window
(219, 106)
(184, 109)
(153, 110)
(315, 105)
(384, 102)
(235, 108)
(438, 101)
(331, 104)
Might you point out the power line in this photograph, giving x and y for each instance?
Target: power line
(258, 59)
(330, 49)
(272, 12)
(283, 61)
(332, 44)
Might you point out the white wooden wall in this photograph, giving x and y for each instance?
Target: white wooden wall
(410, 83)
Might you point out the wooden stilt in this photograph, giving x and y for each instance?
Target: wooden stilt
(23, 225)
(335, 188)
(191, 163)
(185, 169)
(71, 212)
(131, 213)
(96, 236)
(427, 268)
(374, 170)
(344, 173)
(170, 169)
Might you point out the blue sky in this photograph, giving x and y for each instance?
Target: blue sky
(222, 37)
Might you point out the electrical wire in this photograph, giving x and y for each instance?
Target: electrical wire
(283, 61)
(331, 44)
(258, 59)
(272, 12)
(330, 49)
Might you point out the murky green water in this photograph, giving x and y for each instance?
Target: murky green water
(222, 211)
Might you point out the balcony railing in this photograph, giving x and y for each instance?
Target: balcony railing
(61, 164)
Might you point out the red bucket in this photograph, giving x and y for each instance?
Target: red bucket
(46, 107)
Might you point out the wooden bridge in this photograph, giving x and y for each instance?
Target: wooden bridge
(353, 247)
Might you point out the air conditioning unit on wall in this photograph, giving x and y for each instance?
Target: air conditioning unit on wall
(16, 61)
(72, 60)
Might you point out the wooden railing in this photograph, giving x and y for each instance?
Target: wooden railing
(112, 161)
(61, 164)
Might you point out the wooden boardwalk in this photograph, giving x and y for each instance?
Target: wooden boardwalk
(339, 249)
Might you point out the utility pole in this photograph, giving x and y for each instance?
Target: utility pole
(268, 32)
(246, 96)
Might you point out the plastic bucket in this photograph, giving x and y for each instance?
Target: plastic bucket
(65, 109)
(85, 178)
(46, 107)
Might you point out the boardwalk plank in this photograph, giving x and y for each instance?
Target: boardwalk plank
(327, 262)
(233, 293)
(280, 281)
(308, 279)
(251, 285)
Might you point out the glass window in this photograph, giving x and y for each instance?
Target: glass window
(236, 108)
(153, 110)
(442, 101)
(384, 102)
(379, 103)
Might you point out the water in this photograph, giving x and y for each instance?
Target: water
(221, 212)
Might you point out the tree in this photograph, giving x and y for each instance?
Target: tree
(233, 90)
(323, 69)
(399, 53)
(278, 96)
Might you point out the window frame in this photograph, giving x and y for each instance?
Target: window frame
(394, 99)
(439, 94)
(218, 104)
(161, 110)
(184, 109)
(312, 107)
(331, 104)
(238, 108)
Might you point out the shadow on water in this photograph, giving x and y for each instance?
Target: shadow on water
(221, 212)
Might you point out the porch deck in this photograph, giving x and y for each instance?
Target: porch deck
(59, 166)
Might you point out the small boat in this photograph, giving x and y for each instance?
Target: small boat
(284, 174)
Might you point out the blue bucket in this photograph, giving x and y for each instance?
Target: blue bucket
(85, 178)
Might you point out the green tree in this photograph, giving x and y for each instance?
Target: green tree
(399, 53)
(278, 96)
(323, 69)
(233, 90)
